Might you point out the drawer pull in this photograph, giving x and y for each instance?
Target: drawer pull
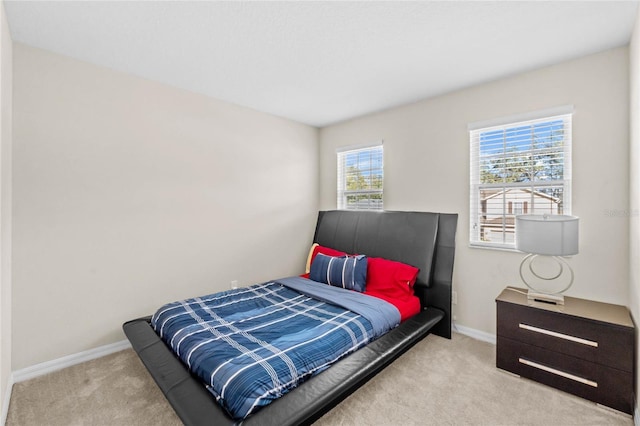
(558, 372)
(559, 335)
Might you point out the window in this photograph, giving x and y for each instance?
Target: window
(360, 178)
(519, 168)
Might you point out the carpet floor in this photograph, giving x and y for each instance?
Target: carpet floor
(437, 382)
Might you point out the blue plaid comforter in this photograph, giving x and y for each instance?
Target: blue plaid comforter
(252, 345)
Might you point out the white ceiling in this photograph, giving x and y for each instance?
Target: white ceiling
(322, 62)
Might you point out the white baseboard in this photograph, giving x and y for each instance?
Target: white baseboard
(67, 361)
(6, 400)
(476, 334)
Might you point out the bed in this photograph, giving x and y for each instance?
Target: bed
(424, 240)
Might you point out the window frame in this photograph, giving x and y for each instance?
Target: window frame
(478, 204)
(342, 191)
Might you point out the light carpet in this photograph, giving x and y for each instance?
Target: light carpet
(437, 382)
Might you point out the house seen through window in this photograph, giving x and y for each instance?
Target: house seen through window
(518, 168)
(360, 178)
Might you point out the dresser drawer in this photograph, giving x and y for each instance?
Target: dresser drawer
(602, 343)
(607, 386)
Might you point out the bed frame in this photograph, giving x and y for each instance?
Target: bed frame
(424, 240)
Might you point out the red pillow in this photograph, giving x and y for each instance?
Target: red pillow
(408, 306)
(390, 278)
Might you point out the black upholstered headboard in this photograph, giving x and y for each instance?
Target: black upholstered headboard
(424, 240)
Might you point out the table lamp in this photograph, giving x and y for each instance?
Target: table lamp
(552, 236)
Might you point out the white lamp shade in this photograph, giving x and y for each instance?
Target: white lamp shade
(551, 235)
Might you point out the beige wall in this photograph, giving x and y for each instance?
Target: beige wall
(426, 149)
(634, 179)
(129, 194)
(6, 73)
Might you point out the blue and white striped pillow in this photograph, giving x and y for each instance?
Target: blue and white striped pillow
(348, 272)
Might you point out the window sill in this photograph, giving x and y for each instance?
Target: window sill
(494, 247)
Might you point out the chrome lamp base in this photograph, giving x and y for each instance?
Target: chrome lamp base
(553, 299)
(556, 297)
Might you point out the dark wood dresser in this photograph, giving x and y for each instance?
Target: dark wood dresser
(583, 347)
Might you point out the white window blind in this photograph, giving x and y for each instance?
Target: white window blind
(360, 178)
(518, 168)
